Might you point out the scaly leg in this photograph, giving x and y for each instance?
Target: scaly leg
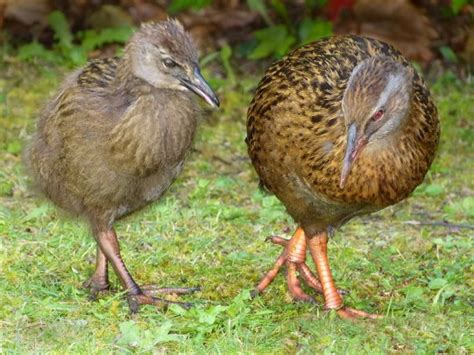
(293, 256)
(108, 243)
(99, 281)
(318, 248)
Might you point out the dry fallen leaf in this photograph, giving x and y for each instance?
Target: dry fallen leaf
(28, 12)
(398, 22)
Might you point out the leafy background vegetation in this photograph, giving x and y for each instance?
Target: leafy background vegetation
(209, 230)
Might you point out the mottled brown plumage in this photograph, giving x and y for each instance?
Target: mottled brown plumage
(339, 128)
(115, 137)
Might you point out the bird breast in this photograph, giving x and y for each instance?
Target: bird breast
(155, 132)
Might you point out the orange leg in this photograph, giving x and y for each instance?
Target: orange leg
(318, 248)
(294, 256)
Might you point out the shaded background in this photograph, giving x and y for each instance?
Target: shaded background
(434, 33)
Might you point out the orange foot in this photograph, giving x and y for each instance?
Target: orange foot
(294, 256)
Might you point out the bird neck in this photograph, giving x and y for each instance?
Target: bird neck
(127, 82)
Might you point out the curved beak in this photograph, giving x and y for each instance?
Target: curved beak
(354, 147)
(199, 86)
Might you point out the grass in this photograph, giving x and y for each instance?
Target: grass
(209, 230)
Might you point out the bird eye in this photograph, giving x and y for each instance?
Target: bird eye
(169, 63)
(378, 115)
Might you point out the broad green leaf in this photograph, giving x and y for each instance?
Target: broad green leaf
(281, 9)
(162, 334)
(434, 190)
(77, 55)
(92, 39)
(438, 283)
(178, 310)
(311, 30)
(260, 7)
(14, 147)
(273, 40)
(60, 26)
(226, 54)
(413, 292)
(457, 5)
(448, 54)
(180, 5)
(130, 334)
(210, 314)
(35, 50)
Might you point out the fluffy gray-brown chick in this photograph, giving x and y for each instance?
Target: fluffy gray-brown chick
(115, 137)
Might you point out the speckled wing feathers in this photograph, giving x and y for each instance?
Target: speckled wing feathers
(98, 74)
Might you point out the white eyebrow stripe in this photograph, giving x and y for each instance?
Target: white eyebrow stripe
(394, 83)
(354, 73)
(351, 80)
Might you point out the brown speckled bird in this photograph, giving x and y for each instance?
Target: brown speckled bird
(115, 137)
(339, 128)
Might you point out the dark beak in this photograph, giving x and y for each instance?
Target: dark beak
(353, 149)
(199, 86)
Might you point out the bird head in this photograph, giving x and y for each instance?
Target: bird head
(164, 55)
(376, 101)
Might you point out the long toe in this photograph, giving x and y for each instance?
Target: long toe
(294, 285)
(275, 239)
(153, 290)
(134, 302)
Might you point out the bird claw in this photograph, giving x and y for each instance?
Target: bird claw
(343, 292)
(254, 293)
(96, 287)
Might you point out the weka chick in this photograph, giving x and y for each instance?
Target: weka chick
(338, 128)
(115, 137)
